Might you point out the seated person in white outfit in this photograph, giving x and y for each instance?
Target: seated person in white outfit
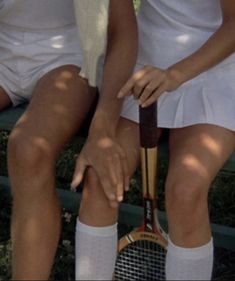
(40, 59)
(186, 62)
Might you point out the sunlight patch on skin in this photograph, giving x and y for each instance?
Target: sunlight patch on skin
(211, 145)
(42, 143)
(39, 141)
(139, 74)
(105, 143)
(61, 82)
(194, 163)
(66, 74)
(61, 85)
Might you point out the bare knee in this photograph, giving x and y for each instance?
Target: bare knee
(27, 151)
(185, 193)
(186, 202)
(187, 212)
(30, 161)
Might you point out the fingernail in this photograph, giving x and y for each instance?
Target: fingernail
(120, 198)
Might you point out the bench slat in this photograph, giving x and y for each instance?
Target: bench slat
(9, 117)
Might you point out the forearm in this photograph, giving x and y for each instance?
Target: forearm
(116, 72)
(219, 46)
(119, 63)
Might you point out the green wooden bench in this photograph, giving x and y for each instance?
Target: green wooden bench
(131, 215)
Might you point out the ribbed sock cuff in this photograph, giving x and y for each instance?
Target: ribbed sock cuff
(96, 231)
(190, 253)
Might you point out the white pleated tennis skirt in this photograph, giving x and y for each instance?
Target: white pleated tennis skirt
(208, 98)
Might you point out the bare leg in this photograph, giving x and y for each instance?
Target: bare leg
(196, 155)
(95, 209)
(60, 102)
(96, 230)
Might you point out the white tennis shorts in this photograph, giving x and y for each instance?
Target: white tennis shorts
(26, 55)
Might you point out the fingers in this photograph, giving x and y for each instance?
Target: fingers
(115, 180)
(109, 191)
(112, 188)
(111, 167)
(120, 181)
(148, 98)
(148, 91)
(140, 86)
(146, 85)
(78, 173)
(137, 81)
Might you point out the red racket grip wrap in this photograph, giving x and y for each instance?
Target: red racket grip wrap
(148, 125)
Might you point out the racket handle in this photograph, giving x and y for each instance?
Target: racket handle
(148, 126)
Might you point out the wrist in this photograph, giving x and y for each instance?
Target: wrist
(102, 126)
(176, 76)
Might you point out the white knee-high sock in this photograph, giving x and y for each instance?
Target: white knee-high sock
(96, 250)
(189, 263)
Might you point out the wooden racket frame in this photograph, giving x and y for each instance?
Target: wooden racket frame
(150, 229)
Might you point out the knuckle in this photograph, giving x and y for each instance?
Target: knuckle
(140, 83)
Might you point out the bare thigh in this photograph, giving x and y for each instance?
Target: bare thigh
(4, 99)
(199, 152)
(59, 105)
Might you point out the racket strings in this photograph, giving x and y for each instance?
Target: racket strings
(141, 260)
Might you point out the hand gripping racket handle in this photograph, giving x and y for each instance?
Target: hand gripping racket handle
(148, 125)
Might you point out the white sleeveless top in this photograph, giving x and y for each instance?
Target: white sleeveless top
(175, 28)
(37, 14)
(170, 30)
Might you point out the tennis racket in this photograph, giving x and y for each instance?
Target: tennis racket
(141, 253)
